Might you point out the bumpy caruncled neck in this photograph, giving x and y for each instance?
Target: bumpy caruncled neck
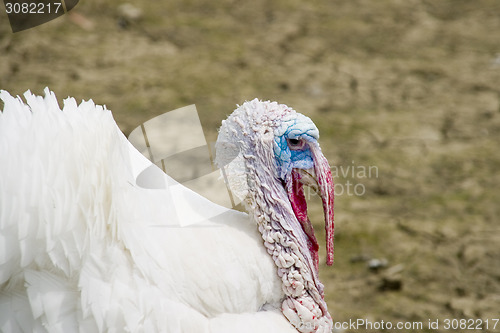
(284, 239)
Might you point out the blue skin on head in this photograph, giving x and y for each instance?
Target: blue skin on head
(299, 127)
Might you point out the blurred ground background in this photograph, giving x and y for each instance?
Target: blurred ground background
(410, 87)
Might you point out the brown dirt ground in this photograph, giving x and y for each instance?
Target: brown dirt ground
(408, 87)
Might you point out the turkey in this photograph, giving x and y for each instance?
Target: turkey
(85, 247)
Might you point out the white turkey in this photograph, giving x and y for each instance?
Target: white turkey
(85, 248)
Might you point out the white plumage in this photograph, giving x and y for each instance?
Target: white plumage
(84, 248)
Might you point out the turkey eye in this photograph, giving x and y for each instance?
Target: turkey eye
(295, 144)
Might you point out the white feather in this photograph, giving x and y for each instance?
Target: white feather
(84, 247)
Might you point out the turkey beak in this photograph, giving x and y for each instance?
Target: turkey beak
(320, 179)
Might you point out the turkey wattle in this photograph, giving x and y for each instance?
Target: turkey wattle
(268, 152)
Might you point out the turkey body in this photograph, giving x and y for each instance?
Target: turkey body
(85, 248)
